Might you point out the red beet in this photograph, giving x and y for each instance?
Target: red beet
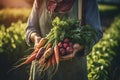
(60, 44)
(70, 44)
(69, 49)
(62, 51)
(65, 45)
(66, 40)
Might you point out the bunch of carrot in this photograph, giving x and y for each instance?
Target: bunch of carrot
(48, 50)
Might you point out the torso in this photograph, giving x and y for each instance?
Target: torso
(60, 6)
(68, 70)
(46, 16)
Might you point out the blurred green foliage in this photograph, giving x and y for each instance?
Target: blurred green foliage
(99, 61)
(104, 7)
(12, 46)
(12, 37)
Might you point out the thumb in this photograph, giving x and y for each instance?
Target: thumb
(37, 39)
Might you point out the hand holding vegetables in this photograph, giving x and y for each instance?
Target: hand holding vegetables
(72, 52)
(77, 47)
(37, 39)
(65, 39)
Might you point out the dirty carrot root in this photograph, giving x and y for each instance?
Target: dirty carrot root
(46, 55)
(48, 63)
(57, 59)
(41, 43)
(42, 61)
(53, 61)
(57, 56)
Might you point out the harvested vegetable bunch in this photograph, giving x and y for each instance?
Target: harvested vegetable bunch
(65, 47)
(59, 42)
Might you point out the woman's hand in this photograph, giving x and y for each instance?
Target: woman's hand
(35, 38)
(76, 48)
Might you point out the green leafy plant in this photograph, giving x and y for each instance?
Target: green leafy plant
(11, 37)
(99, 61)
(12, 46)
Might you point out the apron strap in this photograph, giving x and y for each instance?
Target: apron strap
(82, 6)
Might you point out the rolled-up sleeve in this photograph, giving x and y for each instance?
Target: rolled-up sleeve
(93, 19)
(32, 23)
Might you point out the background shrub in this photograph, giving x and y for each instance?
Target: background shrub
(101, 62)
(12, 48)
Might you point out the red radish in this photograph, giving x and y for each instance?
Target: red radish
(62, 51)
(69, 49)
(70, 44)
(60, 44)
(66, 40)
(65, 45)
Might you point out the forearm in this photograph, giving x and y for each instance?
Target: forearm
(32, 28)
(32, 36)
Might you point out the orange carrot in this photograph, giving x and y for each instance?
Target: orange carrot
(48, 46)
(57, 56)
(48, 53)
(48, 64)
(29, 59)
(57, 59)
(35, 51)
(42, 61)
(41, 43)
(53, 61)
(46, 56)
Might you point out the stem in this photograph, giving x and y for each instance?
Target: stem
(56, 35)
(50, 40)
(51, 33)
